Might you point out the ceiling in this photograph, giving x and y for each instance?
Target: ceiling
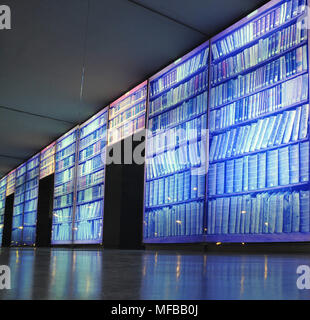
(62, 61)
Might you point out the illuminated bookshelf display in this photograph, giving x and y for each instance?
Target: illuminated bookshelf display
(127, 114)
(176, 148)
(64, 187)
(258, 188)
(88, 221)
(19, 202)
(47, 161)
(31, 201)
(3, 182)
(10, 185)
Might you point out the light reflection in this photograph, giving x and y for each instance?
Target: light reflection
(114, 274)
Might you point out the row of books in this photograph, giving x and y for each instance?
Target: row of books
(64, 188)
(62, 232)
(99, 134)
(91, 165)
(278, 167)
(29, 219)
(127, 115)
(32, 183)
(47, 152)
(99, 122)
(172, 161)
(17, 220)
(18, 209)
(183, 186)
(62, 215)
(63, 201)
(129, 128)
(286, 127)
(65, 152)
(180, 72)
(88, 230)
(20, 180)
(187, 110)
(3, 183)
(292, 63)
(64, 176)
(16, 236)
(65, 163)
(184, 91)
(29, 235)
(179, 220)
(90, 194)
(32, 173)
(66, 141)
(89, 211)
(258, 27)
(282, 96)
(91, 179)
(166, 139)
(33, 163)
(48, 169)
(47, 161)
(30, 205)
(10, 186)
(19, 199)
(123, 104)
(91, 150)
(264, 213)
(260, 52)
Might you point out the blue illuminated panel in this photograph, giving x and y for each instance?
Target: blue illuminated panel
(258, 188)
(3, 182)
(127, 114)
(176, 150)
(10, 185)
(19, 201)
(88, 222)
(47, 161)
(31, 201)
(64, 188)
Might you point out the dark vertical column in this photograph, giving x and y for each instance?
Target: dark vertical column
(8, 216)
(112, 200)
(45, 211)
(123, 213)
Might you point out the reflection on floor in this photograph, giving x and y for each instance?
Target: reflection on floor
(113, 274)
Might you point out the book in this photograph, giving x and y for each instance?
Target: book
(304, 162)
(284, 177)
(272, 168)
(294, 163)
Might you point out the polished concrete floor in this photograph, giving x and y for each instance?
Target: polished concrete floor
(113, 274)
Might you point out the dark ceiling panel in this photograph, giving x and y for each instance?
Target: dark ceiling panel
(6, 164)
(127, 43)
(207, 16)
(41, 57)
(23, 135)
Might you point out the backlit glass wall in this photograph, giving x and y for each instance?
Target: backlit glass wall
(127, 114)
(176, 149)
(2, 205)
(64, 187)
(259, 128)
(88, 222)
